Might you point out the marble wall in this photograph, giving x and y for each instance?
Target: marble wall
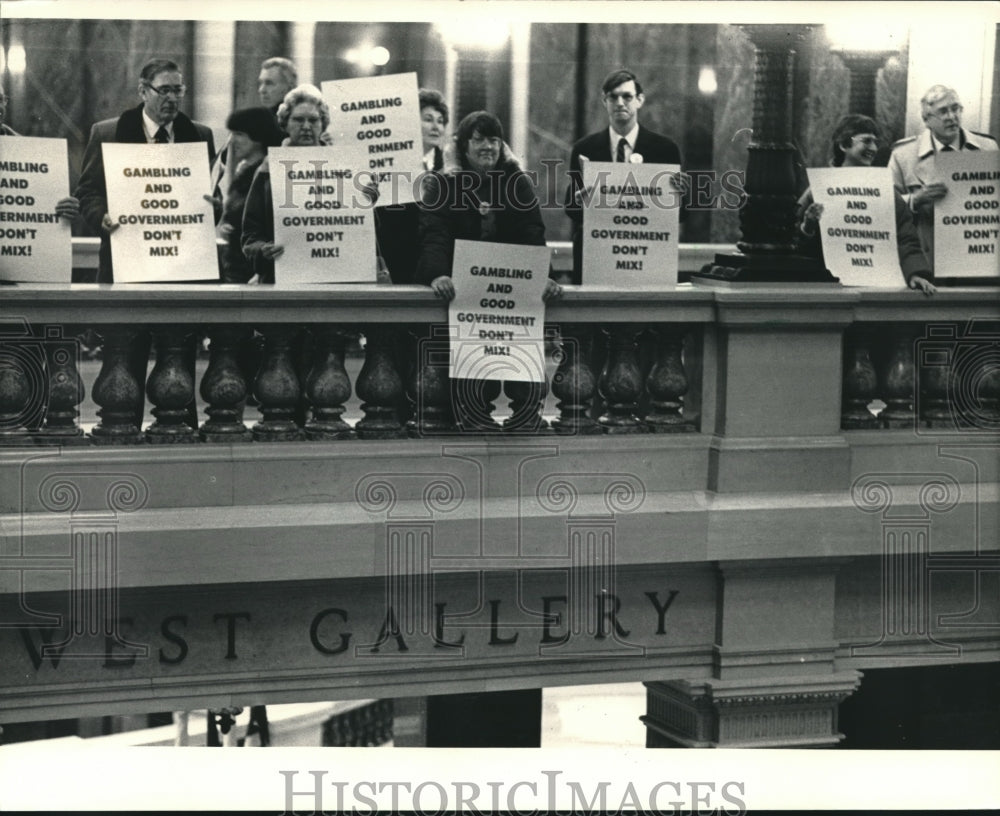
(81, 71)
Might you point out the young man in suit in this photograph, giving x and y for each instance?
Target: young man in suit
(624, 140)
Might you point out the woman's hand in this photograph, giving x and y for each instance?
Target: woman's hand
(810, 218)
(924, 285)
(443, 287)
(271, 251)
(552, 290)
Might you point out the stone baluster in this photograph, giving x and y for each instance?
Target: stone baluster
(66, 391)
(429, 389)
(979, 400)
(574, 383)
(277, 388)
(860, 384)
(527, 399)
(381, 388)
(620, 384)
(898, 380)
(224, 388)
(17, 387)
(170, 387)
(667, 383)
(473, 402)
(328, 387)
(116, 390)
(935, 392)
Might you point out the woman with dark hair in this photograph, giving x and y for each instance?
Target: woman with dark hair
(855, 143)
(486, 197)
(252, 132)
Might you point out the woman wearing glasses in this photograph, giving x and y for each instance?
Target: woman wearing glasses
(855, 143)
(304, 116)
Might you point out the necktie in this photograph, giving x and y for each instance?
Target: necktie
(620, 153)
(947, 149)
(161, 137)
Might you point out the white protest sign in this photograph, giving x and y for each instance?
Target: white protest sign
(497, 318)
(382, 114)
(967, 219)
(166, 228)
(35, 244)
(858, 225)
(322, 217)
(631, 218)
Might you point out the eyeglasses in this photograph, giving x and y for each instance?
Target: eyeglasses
(624, 97)
(492, 141)
(867, 141)
(942, 112)
(163, 91)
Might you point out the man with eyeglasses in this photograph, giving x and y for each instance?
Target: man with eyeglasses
(913, 160)
(157, 120)
(624, 140)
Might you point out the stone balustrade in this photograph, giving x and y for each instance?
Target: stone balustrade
(285, 349)
(620, 362)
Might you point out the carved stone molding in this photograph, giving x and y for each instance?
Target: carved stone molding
(769, 712)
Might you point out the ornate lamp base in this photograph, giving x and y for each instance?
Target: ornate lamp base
(736, 268)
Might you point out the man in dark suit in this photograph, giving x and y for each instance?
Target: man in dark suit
(624, 140)
(157, 120)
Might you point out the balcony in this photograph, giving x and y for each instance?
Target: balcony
(763, 439)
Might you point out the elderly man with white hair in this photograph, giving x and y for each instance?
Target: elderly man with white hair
(913, 160)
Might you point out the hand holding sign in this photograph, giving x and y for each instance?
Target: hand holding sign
(925, 198)
(68, 208)
(157, 193)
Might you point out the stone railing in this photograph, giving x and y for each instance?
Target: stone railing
(619, 367)
(678, 360)
(366, 725)
(930, 366)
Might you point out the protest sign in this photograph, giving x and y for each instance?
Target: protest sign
(35, 244)
(858, 225)
(631, 215)
(382, 114)
(967, 219)
(322, 217)
(156, 196)
(497, 318)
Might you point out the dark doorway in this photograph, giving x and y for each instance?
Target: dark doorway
(499, 719)
(932, 707)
